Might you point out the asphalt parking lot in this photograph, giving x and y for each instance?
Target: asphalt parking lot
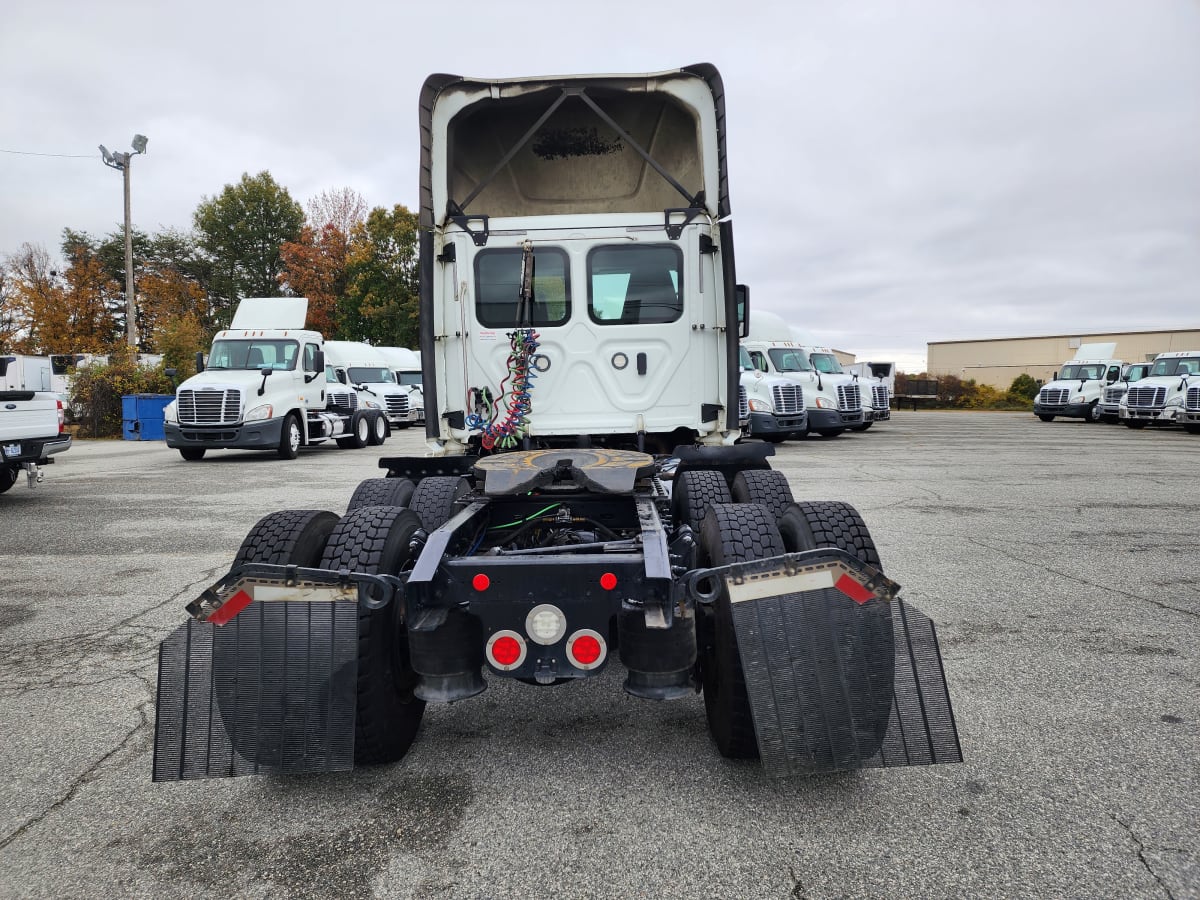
(1058, 560)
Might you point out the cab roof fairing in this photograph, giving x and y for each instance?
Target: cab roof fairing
(697, 89)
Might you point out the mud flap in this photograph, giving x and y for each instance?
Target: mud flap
(839, 674)
(272, 690)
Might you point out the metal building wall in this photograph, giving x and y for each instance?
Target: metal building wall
(997, 361)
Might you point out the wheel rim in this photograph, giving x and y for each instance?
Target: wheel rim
(364, 429)
(294, 436)
(380, 429)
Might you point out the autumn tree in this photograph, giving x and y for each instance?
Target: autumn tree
(12, 319)
(343, 208)
(241, 230)
(381, 292)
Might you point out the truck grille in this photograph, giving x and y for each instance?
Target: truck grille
(397, 405)
(1113, 394)
(344, 402)
(849, 397)
(879, 396)
(1055, 396)
(210, 406)
(1146, 397)
(789, 399)
(743, 405)
(1193, 399)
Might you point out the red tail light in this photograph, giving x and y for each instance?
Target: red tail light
(506, 650)
(586, 649)
(62, 418)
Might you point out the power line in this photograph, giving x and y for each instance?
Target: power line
(63, 155)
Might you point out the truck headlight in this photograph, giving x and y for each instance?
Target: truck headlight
(825, 403)
(170, 412)
(259, 413)
(760, 406)
(370, 404)
(1177, 400)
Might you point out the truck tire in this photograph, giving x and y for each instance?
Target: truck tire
(291, 437)
(866, 642)
(693, 493)
(8, 477)
(381, 492)
(376, 540)
(730, 532)
(360, 433)
(777, 438)
(830, 432)
(865, 426)
(192, 454)
(766, 487)
(434, 497)
(379, 431)
(1189, 427)
(1093, 413)
(1045, 418)
(1137, 424)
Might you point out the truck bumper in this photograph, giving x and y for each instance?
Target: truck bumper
(871, 414)
(1163, 415)
(1190, 417)
(822, 419)
(33, 450)
(1069, 411)
(262, 435)
(769, 423)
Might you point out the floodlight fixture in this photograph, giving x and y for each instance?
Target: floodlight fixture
(139, 143)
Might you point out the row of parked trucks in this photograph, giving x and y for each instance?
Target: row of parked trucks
(1096, 387)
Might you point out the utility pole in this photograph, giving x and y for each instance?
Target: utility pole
(123, 162)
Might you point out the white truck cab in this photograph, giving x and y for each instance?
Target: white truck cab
(406, 366)
(1110, 403)
(1191, 410)
(1078, 387)
(264, 388)
(1161, 397)
(774, 403)
(369, 371)
(832, 398)
(877, 381)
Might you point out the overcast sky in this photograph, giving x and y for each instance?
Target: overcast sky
(899, 172)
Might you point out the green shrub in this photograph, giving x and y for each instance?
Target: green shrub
(96, 392)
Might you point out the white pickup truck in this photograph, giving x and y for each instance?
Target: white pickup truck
(31, 431)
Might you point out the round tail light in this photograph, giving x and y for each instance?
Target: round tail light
(586, 649)
(506, 650)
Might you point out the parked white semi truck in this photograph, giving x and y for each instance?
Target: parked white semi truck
(265, 388)
(369, 370)
(877, 382)
(1078, 387)
(1191, 409)
(832, 399)
(774, 404)
(1110, 403)
(584, 501)
(406, 366)
(1160, 397)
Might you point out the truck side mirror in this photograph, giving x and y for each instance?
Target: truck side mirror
(743, 310)
(199, 362)
(319, 362)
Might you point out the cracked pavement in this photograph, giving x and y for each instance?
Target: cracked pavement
(1057, 559)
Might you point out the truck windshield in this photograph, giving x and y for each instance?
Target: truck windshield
(254, 354)
(409, 378)
(1183, 365)
(744, 360)
(1137, 373)
(331, 376)
(371, 375)
(789, 360)
(826, 363)
(635, 285)
(1088, 373)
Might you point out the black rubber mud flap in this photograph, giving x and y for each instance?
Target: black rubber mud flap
(271, 691)
(819, 669)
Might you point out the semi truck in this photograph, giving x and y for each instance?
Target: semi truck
(1078, 387)
(406, 366)
(369, 371)
(1110, 402)
(583, 503)
(774, 405)
(266, 387)
(832, 399)
(1190, 416)
(877, 382)
(1160, 398)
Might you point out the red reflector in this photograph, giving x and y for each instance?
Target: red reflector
(853, 589)
(230, 608)
(586, 649)
(505, 650)
(481, 582)
(608, 581)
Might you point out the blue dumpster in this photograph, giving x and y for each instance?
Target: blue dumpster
(142, 416)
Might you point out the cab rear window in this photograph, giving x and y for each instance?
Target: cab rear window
(635, 284)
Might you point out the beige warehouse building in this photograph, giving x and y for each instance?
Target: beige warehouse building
(997, 361)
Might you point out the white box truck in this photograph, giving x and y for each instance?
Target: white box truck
(1160, 397)
(1078, 387)
(265, 388)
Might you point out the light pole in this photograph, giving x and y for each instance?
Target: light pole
(122, 161)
